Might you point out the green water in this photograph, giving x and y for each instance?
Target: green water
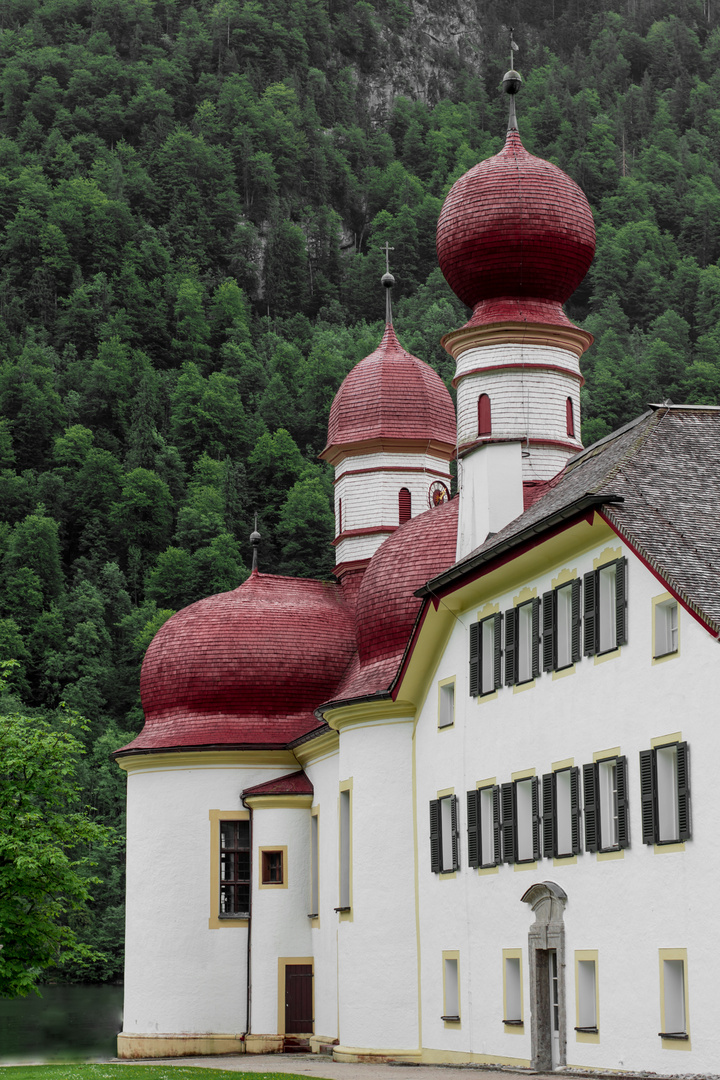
(67, 1022)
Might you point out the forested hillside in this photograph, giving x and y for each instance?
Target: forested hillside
(194, 199)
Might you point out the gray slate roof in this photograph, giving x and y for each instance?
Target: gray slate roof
(666, 467)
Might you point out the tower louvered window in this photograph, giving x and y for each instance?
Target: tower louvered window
(605, 608)
(570, 418)
(404, 505)
(665, 794)
(484, 416)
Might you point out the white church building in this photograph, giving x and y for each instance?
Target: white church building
(440, 810)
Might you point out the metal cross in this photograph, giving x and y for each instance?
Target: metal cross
(388, 249)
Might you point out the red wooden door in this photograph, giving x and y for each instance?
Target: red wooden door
(298, 999)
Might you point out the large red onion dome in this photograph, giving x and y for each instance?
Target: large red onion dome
(389, 396)
(386, 607)
(515, 238)
(245, 668)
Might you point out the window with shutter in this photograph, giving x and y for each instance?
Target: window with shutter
(665, 794)
(404, 505)
(526, 798)
(487, 805)
(473, 814)
(561, 626)
(607, 822)
(444, 846)
(435, 836)
(665, 628)
(527, 641)
(507, 801)
(484, 416)
(548, 815)
(485, 654)
(590, 790)
(510, 646)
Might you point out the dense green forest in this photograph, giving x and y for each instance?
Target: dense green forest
(194, 199)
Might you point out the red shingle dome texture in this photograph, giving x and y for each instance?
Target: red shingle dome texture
(391, 395)
(515, 238)
(386, 608)
(247, 667)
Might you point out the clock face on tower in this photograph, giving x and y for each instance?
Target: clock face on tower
(437, 493)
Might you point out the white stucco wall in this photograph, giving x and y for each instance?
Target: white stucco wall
(377, 944)
(180, 976)
(627, 908)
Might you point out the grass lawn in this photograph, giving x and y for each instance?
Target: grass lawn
(139, 1072)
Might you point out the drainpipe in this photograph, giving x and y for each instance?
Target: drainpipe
(248, 993)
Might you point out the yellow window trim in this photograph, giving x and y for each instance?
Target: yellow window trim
(566, 763)
(603, 755)
(525, 594)
(564, 578)
(346, 785)
(275, 884)
(216, 816)
(663, 598)
(513, 1029)
(607, 556)
(674, 954)
(446, 682)
(451, 954)
(523, 774)
(667, 740)
(587, 1036)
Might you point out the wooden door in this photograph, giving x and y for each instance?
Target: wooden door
(298, 999)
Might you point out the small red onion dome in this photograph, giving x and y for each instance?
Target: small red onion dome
(386, 607)
(515, 238)
(245, 668)
(391, 395)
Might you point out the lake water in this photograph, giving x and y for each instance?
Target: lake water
(67, 1022)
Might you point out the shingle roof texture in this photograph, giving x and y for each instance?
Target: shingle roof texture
(393, 395)
(296, 783)
(666, 466)
(247, 667)
(515, 237)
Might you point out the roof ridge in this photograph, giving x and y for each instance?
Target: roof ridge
(654, 420)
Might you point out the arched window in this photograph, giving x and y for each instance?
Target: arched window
(339, 517)
(484, 418)
(570, 416)
(404, 506)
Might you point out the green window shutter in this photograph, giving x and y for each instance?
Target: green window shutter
(621, 601)
(536, 637)
(548, 817)
(647, 795)
(622, 803)
(575, 809)
(455, 833)
(575, 630)
(473, 815)
(507, 800)
(474, 659)
(510, 646)
(497, 650)
(683, 777)
(535, 799)
(548, 624)
(590, 613)
(590, 788)
(435, 854)
(496, 825)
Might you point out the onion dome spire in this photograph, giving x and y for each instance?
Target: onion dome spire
(255, 539)
(512, 83)
(388, 281)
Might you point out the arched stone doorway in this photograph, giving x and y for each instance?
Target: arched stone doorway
(546, 951)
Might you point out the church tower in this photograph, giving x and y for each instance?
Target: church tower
(515, 239)
(391, 435)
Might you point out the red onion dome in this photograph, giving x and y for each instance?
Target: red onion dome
(391, 395)
(386, 607)
(245, 668)
(515, 237)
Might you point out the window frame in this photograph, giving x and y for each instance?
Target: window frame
(512, 643)
(344, 908)
(477, 635)
(219, 919)
(674, 1040)
(404, 505)
(587, 1032)
(264, 853)
(592, 615)
(661, 608)
(509, 820)
(484, 416)
(314, 913)
(516, 1023)
(438, 838)
(445, 688)
(475, 820)
(451, 957)
(649, 794)
(550, 828)
(594, 810)
(550, 626)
